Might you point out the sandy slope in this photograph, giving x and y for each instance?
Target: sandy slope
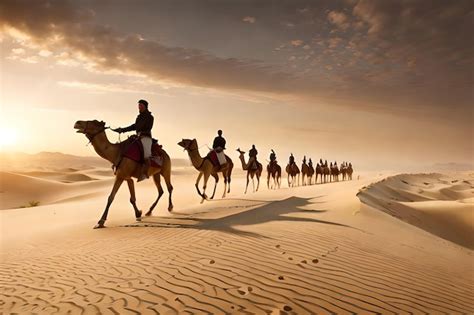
(440, 204)
(304, 250)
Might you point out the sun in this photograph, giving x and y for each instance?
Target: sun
(8, 137)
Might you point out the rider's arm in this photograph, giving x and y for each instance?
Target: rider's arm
(129, 128)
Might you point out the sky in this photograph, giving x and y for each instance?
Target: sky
(382, 84)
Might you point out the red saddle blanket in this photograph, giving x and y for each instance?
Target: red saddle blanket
(134, 151)
(213, 158)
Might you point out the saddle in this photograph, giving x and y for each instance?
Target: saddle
(254, 165)
(212, 156)
(132, 148)
(217, 157)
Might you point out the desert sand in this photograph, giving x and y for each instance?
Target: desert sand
(404, 247)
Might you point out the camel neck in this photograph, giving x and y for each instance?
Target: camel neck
(104, 148)
(242, 160)
(196, 158)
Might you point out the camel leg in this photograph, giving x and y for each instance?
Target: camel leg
(169, 187)
(289, 180)
(216, 177)
(258, 179)
(157, 181)
(117, 183)
(229, 174)
(197, 183)
(253, 183)
(133, 199)
(246, 186)
(268, 180)
(206, 178)
(225, 184)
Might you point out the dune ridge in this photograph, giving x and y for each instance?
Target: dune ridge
(440, 204)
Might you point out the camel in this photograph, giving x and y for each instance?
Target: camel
(126, 169)
(343, 171)
(335, 172)
(326, 172)
(304, 172)
(274, 170)
(319, 171)
(251, 173)
(293, 171)
(206, 168)
(310, 173)
(349, 171)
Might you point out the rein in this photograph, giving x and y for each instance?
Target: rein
(91, 137)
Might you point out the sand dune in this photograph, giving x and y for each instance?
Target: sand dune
(65, 177)
(303, 250)
(20, 190)
(437, 203)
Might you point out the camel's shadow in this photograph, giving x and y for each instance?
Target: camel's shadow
(268, 212)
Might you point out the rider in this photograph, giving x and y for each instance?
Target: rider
(292, 159)
(272, 157)
(304, 159)
(219, 146)
(310, 163)
(143, 125)
(252, 157)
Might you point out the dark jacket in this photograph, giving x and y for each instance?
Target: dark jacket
(253, 153)
(218, 142)
(272, 156)
(142, 125)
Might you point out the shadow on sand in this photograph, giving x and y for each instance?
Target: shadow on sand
(270, 211)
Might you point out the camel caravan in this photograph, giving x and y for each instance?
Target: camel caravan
(140, 156)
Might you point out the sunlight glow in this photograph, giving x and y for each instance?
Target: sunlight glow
(8, 137)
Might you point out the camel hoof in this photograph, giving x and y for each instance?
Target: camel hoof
(170, 209)
(138, 219)
(99, 226)
(148, 213)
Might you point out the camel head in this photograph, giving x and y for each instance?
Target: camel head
(188, 144)
(89, 127)
(240, 151)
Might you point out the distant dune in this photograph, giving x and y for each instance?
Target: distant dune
(60, 162)
(440, 204)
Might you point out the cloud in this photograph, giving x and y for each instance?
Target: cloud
(334, 42)
(249, 19)
(392, 52)
(18, 51)
(45, 53)
(297, 42)
(106, 88)
(339, 19)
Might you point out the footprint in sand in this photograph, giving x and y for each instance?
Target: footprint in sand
(287, 308)
(242, 292)
(304, 262)
(212, 261)
(315, 261)
(281, 278)
(245, 291)
(277, 246)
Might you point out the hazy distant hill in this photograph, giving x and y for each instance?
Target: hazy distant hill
(453, 166)
(10, 161)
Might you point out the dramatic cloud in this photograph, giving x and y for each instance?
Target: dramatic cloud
(390, 55)
(297, 42)
(249, 19)
(339, 19)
